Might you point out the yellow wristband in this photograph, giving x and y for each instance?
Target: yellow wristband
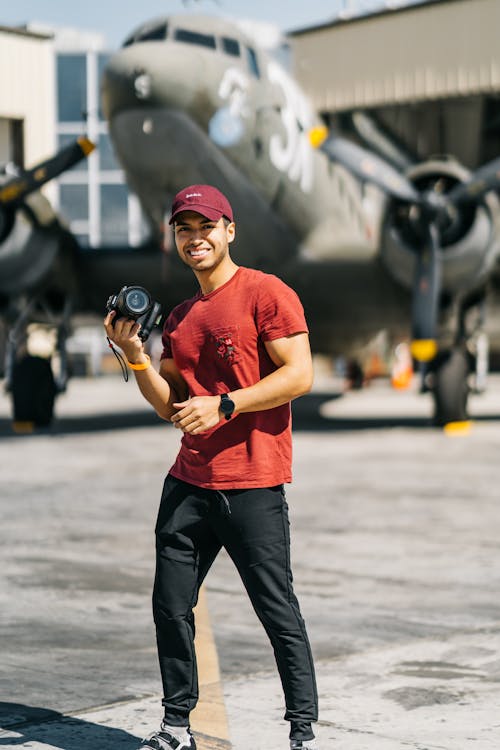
(143, 366)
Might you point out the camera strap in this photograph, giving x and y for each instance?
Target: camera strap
(120, 360)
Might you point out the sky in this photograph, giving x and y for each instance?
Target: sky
(116, 18)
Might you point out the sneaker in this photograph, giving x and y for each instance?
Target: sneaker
(304, 745)
(164, 740)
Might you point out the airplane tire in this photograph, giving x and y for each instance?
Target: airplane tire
(33, 391)
(450, 387)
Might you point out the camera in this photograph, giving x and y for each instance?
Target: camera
(136, 303)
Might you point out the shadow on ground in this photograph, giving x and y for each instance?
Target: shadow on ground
(48, 727)
(90, 423)
(306, 417)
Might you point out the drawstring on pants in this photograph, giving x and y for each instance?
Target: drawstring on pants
(224, 501)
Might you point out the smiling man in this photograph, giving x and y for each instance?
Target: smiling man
(234, 357)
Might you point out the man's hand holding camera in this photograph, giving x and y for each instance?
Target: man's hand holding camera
(130, 315)
(124, 332)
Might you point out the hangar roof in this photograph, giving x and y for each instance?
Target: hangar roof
(433, 50)
(20, 31)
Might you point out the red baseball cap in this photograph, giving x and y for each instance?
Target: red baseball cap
(205, 200)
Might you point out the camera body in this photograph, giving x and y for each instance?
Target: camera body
(136, 303)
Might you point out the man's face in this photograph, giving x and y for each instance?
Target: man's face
(202, 244)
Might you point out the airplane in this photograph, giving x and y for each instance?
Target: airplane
(193, 99)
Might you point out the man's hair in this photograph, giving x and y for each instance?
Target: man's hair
(225, 220)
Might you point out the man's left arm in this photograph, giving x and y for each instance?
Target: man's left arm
(292, 378)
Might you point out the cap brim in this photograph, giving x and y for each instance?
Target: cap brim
(206, 211)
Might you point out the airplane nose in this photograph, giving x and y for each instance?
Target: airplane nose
(124, 83)
(150, 75)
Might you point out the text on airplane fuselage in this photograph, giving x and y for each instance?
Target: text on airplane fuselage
(291, 154)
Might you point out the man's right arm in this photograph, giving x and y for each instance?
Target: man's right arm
(161, 389)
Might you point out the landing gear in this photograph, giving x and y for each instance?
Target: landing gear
(462, 368)
(450, 386)
(33, 391)
(30, 379)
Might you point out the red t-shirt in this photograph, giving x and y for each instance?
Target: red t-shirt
(217, 343)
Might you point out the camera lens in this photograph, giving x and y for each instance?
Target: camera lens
(137, 300)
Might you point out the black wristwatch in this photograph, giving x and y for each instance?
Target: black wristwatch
(226, 405)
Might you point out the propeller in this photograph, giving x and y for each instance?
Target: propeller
(481, 181)
(365, 165)
(17, 188)
(13, 192)
(428, 212)
(379, 138)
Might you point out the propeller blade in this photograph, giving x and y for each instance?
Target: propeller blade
(27, 182)
(385, 143)
(366, 166)
(426, 291)
(483, 180)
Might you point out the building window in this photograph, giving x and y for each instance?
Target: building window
(12, 141)
(114, 214)
(102, 59)
(107, 158)
(74, 202)
(71, 88)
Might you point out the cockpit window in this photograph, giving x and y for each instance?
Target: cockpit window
(194, 37)
(253, 62)
(156, 33)
(231, 46)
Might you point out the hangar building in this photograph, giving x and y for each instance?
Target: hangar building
(27, 96)
(429, 74)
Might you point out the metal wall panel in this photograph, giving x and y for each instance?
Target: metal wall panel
(433, 51)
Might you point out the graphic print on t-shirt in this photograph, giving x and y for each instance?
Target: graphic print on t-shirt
(226, 342)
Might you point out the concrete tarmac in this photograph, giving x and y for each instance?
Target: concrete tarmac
(396, 557)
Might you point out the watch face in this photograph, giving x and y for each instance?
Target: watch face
(226, 405)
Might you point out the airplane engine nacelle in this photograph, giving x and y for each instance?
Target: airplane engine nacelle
(30, 247)
(467, 237)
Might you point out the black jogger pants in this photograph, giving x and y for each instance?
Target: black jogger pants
(193, 524)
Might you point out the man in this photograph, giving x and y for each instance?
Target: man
(234, 356)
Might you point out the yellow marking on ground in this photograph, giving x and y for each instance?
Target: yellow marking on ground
(458, 429)
(209, 717)
(23, 428)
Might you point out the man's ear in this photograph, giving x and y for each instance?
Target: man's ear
(231, 231)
